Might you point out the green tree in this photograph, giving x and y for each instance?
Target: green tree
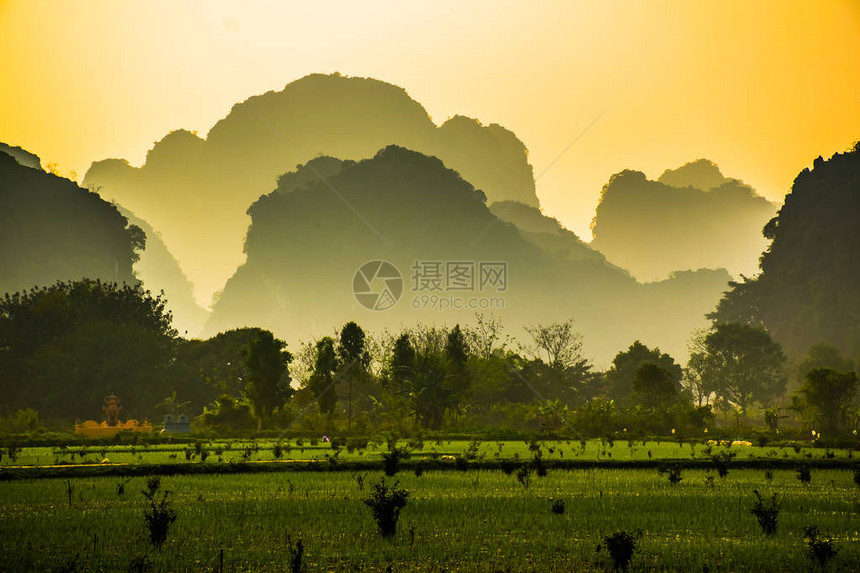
(654, 385)
(830, 393)
(321, 381)
(353, 359)
(268, 385)
(625, 365)
(746, 363)
(63, 348)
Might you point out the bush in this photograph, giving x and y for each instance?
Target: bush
(391, 460)
(672, 473)
(722, 460)
(804, 474)
(158, 516)
(821, 547)
(620, 546)
(386, 502)
(766, 513)
(557, 506)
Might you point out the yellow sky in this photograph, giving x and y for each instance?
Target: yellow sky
(761, 88)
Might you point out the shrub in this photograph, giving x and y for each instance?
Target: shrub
(620, 546)
(557, 506)
(722, 460)
(296, 553)
(391, 460)
(766, 513)
(803, 473)
(386, 502)
(158, 516)
(821, 547)
(672, 473)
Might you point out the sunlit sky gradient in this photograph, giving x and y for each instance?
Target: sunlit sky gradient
(761, 88)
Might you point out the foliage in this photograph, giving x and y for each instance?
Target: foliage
(800, 294)
(621, 545)
(746, 363)
(830, 393)
(766, 513)
(67, 346)
(159, 516)
(622, 375)
(386, 502)
(821, 547)
(268, 385)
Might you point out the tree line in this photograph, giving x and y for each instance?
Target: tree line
(64, 347)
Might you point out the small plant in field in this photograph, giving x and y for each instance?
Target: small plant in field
(471, 452)
(419, 471)
(296, 553)
(857, 477)
(722, 460)
(359, 479)
(671, 473)
(821, 547)
(391, 460)
(277, 450)
(803, 473)
(159, 515)
(120, 487)
(620, 546)
(524, 475)
(557, 506)
(709, 480)
(766, 513)
(386, 502)
(768, 475)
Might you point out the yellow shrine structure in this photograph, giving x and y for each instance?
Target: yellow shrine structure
(112, 424)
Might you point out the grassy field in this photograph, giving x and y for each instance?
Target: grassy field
(454, 520)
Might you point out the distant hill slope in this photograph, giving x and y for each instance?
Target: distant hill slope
(545, 232)
(196, 191)
(52, 230)
(807, 291)
(159, 271)
(691, 218)
(306, 243)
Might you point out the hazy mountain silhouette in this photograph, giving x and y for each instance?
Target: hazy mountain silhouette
(22, 156)
(807, 291)
(195, 191)
(545, 232)
(308, 238)
(51, 230)
(159, 271)
(691, 218)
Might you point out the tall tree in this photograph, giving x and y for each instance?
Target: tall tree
(64, 347)
(625, 365)
(322, 379)
(353, 358)
(654, 385)
(830, 393)
(268, 385)
(746, 363)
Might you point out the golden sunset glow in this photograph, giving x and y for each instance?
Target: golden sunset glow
(760, 88)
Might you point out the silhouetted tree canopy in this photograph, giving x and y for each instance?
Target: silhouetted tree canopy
(807, 290)
(746, 365)
(622, 375)
(65, 347)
